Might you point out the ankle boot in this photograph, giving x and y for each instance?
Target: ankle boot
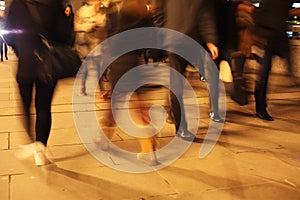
(238, 92)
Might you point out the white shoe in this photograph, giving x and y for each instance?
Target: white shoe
(25, 151)
(40, 155)
(148, 158)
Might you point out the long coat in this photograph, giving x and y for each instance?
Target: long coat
(30, 24)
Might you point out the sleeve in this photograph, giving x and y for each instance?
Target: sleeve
(207, 23)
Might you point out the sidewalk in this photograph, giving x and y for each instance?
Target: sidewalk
(253, 159)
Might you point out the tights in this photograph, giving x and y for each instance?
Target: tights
(43, 99)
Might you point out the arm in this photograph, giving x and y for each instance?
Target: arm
(208, 29)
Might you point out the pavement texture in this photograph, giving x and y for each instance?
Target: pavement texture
(253, 159)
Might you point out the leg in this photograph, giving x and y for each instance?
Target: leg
(213, 81)
(5, 51)
(238, 93)
(43, 99)
(26, 95)
(83, 76)
(1, 48)
(176, 97)
(261, 86)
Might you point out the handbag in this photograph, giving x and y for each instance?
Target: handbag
(57, 61)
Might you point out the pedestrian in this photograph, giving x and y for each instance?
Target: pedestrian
(91, 29)
(128, 15)
(233, 22)
(3, 45)
(70, 23)
(50, 14)
(270, 40)
(194, 18)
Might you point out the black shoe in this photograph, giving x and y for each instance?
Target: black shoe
(264, 115)
(239, 97)
(216, 117)
(185, 135)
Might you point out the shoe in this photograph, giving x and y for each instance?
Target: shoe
(148, 158)
(202, 78)
(101, 142)
(40, 155)
(264, 115)
(6, 57)
(185, 135)
(104, 95)
(215, 117)
(170, 119)
(82, 93)
(238, 93)
(25, 151)
(240, 98)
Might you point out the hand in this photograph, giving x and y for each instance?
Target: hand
(213, 49)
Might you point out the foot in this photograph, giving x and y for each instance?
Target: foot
(185, 135)
(82, 92)
(170, 119)
(148, 158)
(239, 97)
(101, 142)
(215, 117)
(25, 151)
(264, 115)
(40, 155)
(6, 57)
(202, 78)
(104, 95)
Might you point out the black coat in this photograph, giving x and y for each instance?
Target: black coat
(47, 20)
(195, 18)
(270, 18)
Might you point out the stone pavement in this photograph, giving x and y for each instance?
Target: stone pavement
(253, 159)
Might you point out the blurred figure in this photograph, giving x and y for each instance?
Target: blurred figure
(70, 19)
(198, 22)
(234, 20)
(270, 39)
(91, 29)
(48, 17)
(2, 39)
(131, 14)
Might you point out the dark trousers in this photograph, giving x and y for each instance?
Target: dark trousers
(176, 94)
(3, 46)
(43, 99)
(276, 46)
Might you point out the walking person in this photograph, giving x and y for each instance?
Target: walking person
(198, 23)
(3, 45)
(128, 15)
(25, 44)
(70, 23)
(271, 39)
(91, 29)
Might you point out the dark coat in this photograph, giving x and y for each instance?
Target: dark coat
(49, 22)
(195, 18)
(270, 18)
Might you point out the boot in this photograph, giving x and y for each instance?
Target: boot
(238, 92)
